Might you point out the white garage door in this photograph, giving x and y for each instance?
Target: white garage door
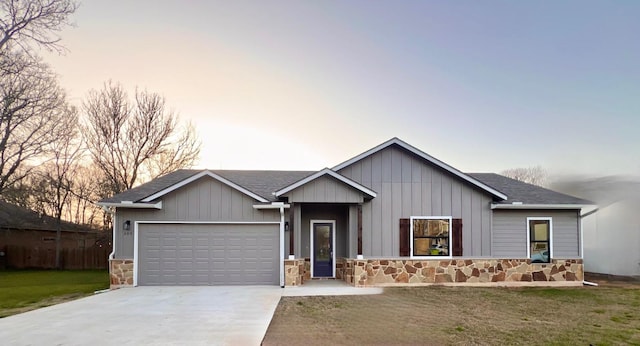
(195, 254)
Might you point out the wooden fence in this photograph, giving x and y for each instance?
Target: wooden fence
(21, 257)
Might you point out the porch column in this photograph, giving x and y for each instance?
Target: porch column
(291, 230)
(360, 231)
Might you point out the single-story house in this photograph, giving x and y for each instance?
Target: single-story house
(28, 240)
(391, 215)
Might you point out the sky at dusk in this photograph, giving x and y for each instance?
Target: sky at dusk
(483, 86)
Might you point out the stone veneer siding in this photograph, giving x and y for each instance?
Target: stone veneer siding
(380, 272)
(294, 272)
(121, 273)
(374, 272)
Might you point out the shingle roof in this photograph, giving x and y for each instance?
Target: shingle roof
(262, 183)
(518, 191)
(16, 217)
(149, 188)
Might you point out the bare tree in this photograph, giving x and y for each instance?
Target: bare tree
(86, 190)
(535, 175)
(28, 23)
(135, 140)
(32, 112)
(31, 102)
(67, 151)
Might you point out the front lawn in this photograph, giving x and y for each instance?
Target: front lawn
(22, 291)
(440, 315)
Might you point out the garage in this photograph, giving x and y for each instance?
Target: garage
(207, 254)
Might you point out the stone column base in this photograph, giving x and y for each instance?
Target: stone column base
(294, 272)
(121, 273)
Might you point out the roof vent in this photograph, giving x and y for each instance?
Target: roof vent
(516, 203)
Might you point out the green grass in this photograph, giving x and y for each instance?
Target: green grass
(27, 290)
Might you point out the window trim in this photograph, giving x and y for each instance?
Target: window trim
(411, 239)
(545, 218)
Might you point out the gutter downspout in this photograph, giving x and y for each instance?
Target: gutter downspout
(113, 231)
(281, 259)
(582, 216)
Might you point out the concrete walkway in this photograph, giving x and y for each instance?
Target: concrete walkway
(328, 288)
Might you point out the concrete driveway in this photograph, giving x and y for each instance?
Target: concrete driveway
(227, 315)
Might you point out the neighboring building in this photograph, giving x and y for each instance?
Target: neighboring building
(28, 240)
(391, 215)
(612, 232)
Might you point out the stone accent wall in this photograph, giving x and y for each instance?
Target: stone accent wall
(347, 271)
(373, 272)
(340, 264)
(307, 269)
(294, 272)
(121, 273)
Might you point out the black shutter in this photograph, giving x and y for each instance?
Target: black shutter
(456, 237)
(404, 237)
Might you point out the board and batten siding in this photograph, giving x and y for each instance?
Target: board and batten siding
(325, 189)
(510, 232)
(205, 199)
(407, 185)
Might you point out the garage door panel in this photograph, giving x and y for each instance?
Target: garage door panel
(208, 254)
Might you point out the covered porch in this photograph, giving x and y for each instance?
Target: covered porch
(323, 226)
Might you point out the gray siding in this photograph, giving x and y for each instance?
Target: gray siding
(409, 186)
(205, 199)
(510, 232)
(325, 190)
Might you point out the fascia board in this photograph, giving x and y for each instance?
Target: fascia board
(127, 204)
(537, 206)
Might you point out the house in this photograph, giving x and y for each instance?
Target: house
(391, 215)
(28, 240)
(612, 231)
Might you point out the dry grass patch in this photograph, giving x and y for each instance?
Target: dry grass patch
(439, 315)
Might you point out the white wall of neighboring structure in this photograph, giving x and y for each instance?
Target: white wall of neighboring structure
(612, 239)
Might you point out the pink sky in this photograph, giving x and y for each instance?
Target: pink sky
(305, 85)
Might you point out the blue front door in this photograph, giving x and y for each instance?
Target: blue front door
(322, 249)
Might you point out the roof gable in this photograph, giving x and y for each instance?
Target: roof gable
(426, 157)
(198, 176)
(327, 172)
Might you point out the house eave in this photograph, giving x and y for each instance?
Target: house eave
(131, 205)
(275, 205)
(538, 206)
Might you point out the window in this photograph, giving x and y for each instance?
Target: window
(430, 236)
(539, 239)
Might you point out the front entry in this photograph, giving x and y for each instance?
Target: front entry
(322, 254)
